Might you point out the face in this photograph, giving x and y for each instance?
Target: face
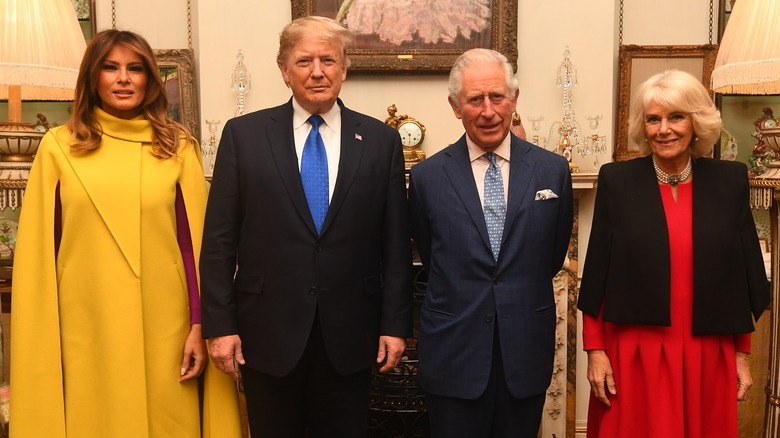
(485, 105)
(669, 133)
(314, 70)
(122, 83)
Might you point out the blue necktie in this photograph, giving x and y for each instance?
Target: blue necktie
(314, 173)
(495, 205)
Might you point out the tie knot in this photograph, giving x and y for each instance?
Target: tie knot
(491, 156)
(316, 121)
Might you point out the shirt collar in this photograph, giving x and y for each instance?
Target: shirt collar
(503, 150)
(332, 117)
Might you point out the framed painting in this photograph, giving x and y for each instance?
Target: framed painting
(178, 76)
(418, 36)
(637, 64)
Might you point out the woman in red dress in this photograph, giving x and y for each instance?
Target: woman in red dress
(673, 276)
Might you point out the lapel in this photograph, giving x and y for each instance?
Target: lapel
(120, 206)
(279, 133)
(521, 170)
(458, 170)
(281, 142)
(349, 161)
(646, 198)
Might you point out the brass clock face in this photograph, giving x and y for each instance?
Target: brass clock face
(411, 133)
(769, 124)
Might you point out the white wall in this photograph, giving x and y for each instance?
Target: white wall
(221, 28)
(545, 28)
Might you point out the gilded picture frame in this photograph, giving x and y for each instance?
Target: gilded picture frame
(637, 64)
(408, 46)
(177, 69)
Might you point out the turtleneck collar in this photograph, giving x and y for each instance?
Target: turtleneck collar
(137, 129)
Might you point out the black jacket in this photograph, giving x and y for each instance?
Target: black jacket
(627, 265)
(355, 274)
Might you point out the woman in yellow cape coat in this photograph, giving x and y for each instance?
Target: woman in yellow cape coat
(99, 324)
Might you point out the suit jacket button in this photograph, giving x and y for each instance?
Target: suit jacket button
(312, 291)
(495, 280)
(488, 318)
(318, 248)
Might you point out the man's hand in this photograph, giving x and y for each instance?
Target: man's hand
(225, 351)
(391, 349)
(600, 376)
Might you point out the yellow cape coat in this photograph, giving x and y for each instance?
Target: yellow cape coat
(98, 333)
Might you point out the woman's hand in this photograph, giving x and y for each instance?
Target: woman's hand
(744, 379)
(194, 358)
(600, 376)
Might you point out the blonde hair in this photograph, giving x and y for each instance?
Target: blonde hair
(678, 91)
(167, 133)
(314, 26)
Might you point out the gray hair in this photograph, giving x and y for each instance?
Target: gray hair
(479, 57)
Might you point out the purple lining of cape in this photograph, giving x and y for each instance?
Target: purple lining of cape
(188, 255)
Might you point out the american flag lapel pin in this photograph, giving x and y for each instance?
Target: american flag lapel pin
(358, 137)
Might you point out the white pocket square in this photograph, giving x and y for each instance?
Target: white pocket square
(545, 194)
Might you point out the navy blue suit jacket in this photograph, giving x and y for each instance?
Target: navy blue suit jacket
(355, 273)
(468, 291)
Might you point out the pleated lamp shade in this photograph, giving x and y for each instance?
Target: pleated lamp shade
(749, 55)
(41, 45)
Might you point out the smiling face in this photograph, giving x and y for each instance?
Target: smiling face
(314, 70)
(669, 134)
(485, 105)
(122, 83)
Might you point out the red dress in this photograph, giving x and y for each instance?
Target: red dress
(670, 384)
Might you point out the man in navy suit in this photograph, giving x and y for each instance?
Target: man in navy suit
(308, 199)
(491, 216)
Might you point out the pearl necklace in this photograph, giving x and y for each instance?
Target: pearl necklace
(673, 179)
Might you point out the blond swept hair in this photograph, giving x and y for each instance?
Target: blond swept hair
(311, 27)
(679, 91)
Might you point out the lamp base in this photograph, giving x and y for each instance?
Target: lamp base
(18, 141)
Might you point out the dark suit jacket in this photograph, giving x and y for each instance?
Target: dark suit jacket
(357, 271)
(468, 291)
(627, 264)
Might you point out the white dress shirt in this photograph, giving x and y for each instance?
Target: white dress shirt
(331, 136)
(480, 164)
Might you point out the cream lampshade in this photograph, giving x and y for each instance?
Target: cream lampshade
(749, 60)
(41, 45)
(749, 55)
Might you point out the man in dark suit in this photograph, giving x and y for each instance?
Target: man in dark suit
(308, 199)
(491, 216)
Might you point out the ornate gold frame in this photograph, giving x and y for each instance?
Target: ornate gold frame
(666, 57)
(183, 61)
(504, 40)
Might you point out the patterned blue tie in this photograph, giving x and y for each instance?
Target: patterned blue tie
(495, 205)
(314, 173)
